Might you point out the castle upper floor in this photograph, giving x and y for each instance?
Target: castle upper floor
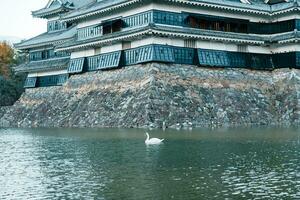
(104, 34)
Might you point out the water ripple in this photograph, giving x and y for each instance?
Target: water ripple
(115, 164)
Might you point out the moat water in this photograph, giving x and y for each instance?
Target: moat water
(116, 164)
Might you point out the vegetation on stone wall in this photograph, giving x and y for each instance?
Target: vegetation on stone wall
(11, 85)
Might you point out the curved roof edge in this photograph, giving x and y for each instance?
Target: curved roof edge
(264, 7)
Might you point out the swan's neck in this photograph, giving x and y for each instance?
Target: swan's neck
(148, 137)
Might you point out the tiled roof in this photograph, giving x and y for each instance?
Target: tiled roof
(60, 6)
(255, 6)
(48, 11)
(295, 35)
(94, 7)
(50, 64)
(89, 7)
(47, 38)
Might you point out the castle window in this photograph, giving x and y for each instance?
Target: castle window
(222, 26)
(243, 28)
(112, 26)
(227, 27)
(190, 43)
(43, 55)
(193, 22)
(202, 24)
(56, 26)
(107, 29)
(116, 26)
(242, 48)
(216, 26)
(233, 27)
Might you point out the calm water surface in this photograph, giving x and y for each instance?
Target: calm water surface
(116, 164)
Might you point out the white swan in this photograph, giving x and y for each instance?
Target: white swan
(151, 141)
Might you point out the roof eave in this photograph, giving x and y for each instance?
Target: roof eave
(25, 67)
(193, 3)
(155, 31)
(42, 44)
(96, 12)
(46, 14)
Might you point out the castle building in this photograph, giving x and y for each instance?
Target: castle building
(91, 35)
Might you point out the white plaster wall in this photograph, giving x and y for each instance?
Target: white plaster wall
(111, 48)
(259, 49)
(83, 53)
(53, 18)
(285, 17)
(230, 47)
(213, 45)
(285, 48)
(48, 73)
(216, 45)
(158, 40)
(98, 50)
(138, 43)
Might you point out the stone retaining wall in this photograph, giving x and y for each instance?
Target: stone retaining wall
(154, 95)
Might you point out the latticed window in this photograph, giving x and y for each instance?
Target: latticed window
(190, 43)
(138, 19)
(56, 25)
(54, 80)
(113, 26)
(104, 61)
(216, 26)
(89, 32)
(46, 54)
(170, 18)
(242, 48)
